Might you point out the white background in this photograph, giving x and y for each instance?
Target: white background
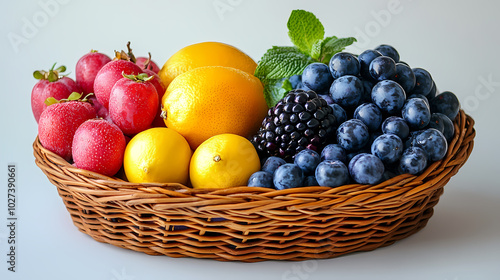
(457, 41)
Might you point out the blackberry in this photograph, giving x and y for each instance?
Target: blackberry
(300, 120)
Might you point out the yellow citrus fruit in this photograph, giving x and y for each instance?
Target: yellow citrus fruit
(205, 54)
(157, 155)
(212, 100)
(223, 161)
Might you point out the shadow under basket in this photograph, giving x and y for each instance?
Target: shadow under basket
(254, 224)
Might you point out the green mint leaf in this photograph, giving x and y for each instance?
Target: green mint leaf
(287, 85)
(304, 29)
(316, 49)
(333, 45)
(273, 92)
(277, 64)
(281, 62)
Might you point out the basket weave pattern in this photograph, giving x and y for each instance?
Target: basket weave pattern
(253, 224)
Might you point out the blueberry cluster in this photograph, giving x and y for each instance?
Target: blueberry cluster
(388, 119)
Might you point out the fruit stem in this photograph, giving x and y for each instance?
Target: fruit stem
(122, 55)
(217, 158)
(148, 62)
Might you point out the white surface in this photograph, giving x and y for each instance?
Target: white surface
(457, 42)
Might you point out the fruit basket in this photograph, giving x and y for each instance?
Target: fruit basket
(254, 224)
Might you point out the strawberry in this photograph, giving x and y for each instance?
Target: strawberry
(50, 84)
(87, 68)
(59, 122)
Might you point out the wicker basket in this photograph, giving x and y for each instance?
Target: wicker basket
(253, 224)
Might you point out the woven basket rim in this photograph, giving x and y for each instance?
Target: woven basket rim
(402, 187)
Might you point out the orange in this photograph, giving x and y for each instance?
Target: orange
(212, 100)
(205, 54)
(223, 161)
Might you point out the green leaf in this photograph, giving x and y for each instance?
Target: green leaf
(61, 69)
(74, 96)
(287, 85)
(304, 30)
(281, 62)
(52, 77)
(275, 65)
(273, 92)
(51, 100)
(38, 75)
(333, 45)
(316, 49)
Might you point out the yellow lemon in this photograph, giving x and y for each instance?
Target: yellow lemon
(157, 155)
(223, 161)
(205, 54)
(213, 100)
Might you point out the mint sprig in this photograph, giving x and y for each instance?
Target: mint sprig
(281, 62)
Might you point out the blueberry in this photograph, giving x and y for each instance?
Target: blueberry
(366, 97)
(433, 142)
(327, 97)
(310, 181)
(366, 169)
(369, 114)
(261, 179)
(443, 124)
(423, 81)
(272, 163)
(332, 173)
(296, 81)
(414, 95)
(389, 96)
(446, 103)
(373, 136)
(410, 141)
(307, 160)
(382, 68)
(416, 113)
(436, 122)
(387, 147)
(344, 63)
(317, 77)
(405, 77)
(347, 91)
(288, 176)
(339, 113)
(433, 92)
(365, 58)
(333, 152)
(397, 126)
(389, 51)
(352, 135)
(413, 161)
